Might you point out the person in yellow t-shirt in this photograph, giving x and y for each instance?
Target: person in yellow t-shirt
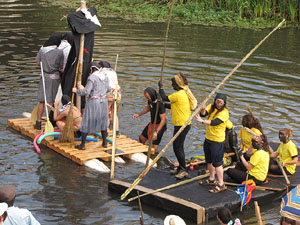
(217, 116)
(245, 137)
(287, 152)
(182, 101)
(258, 166)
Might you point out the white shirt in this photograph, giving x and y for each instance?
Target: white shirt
(17, 216)
(66, 47)
(112, 77)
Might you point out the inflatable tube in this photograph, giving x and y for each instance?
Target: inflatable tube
(38, 150)
(119, 160)
(97, 165)
(26, 114)
(99, 135)
(88, 138)
(46, 135)
(142, 158)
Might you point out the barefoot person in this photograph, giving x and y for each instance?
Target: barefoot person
(217, 116)
(95, 116)
(287, 152)
(182, 101)
(60, 115)
(161, 125)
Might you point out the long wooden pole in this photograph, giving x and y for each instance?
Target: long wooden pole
(257, 213)
(262, 188)
(175, 185)
(161, 77)
(112, 168)
(140, 177)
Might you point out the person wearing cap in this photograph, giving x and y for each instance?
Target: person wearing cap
(15, 215)
(52, 60)
(95, 116)
(113, 84)
(161, 122)
(182, 102)
(60, 115)
(258, 166)
(217, 116)
(3, 212)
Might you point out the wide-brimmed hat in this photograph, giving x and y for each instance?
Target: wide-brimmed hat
(3, 208)
(290, 205)
(7, 193)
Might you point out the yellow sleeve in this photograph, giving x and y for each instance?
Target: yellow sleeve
(173, 97)
(241, 133)
(293, 150)
(256, 131)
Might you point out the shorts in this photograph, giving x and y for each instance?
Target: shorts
(214, 152)
(159, 134)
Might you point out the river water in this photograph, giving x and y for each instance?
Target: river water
(58, 191)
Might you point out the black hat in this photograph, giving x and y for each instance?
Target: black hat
(221, 96)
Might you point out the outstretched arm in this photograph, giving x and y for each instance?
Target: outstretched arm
(144, 111)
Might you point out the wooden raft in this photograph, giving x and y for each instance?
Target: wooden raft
(125, 146)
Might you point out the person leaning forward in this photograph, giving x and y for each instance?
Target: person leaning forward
(161, 125)
(15, 215)
(217, 117)
(182, 101)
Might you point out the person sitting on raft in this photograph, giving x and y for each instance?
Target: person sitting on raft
(258, 166)
(161, 125)
(245, 137)
(217, 117)
(95, 116)
(287, 152)
(182, 101)
(60, 115)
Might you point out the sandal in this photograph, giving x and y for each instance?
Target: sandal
(208, 182)
(218, 188)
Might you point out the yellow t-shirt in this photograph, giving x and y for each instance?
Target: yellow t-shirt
(217, 133)
(246, 137)
(286, 151)
(180, 108)
(260, 160)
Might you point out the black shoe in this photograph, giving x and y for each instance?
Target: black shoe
(104, 144)
(80, 147)
(117, 134)
(38, 125)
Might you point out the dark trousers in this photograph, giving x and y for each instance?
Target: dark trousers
(239, 174)
(178, 146)
(274, 168)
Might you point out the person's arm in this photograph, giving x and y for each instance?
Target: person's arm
(38, 63)
(144, 111)
(247, 164)
(163, 95)
(214, 122)
(274, 155)
(293, 161)
(81, 90)
(162, 122)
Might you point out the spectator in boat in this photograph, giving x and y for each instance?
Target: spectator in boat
(258, 165)
(65, 45)
(161, 122)
(95, 116)
(245, 137)
(224, 217)
(60, 115)
(217, 116)
(52, 59)
(15, 215)
(113, 84)
(287, 152)
(182, 102)
(3, 212)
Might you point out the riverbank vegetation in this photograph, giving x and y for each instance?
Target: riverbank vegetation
(241, 13)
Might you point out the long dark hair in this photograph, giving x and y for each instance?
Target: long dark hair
(214, 106)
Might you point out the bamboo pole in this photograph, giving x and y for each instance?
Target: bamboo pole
(257, 213)
(175, 185)
(241, 208)
(262, 188)
(161, 77)
(141, 209)
(140, 177)
(112, 168)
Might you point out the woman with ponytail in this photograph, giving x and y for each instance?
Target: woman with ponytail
(287, 152)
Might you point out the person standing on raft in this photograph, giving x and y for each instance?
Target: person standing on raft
(161, 125)
(52, 60)
(217, 116)
(182, 101)
(95, 116)
(287, 152)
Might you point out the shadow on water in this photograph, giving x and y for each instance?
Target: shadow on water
(58, 191)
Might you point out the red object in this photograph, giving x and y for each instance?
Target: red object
(191, 167)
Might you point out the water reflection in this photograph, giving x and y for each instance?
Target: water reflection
(58, 191)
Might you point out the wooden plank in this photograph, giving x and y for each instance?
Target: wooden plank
(169, 200)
